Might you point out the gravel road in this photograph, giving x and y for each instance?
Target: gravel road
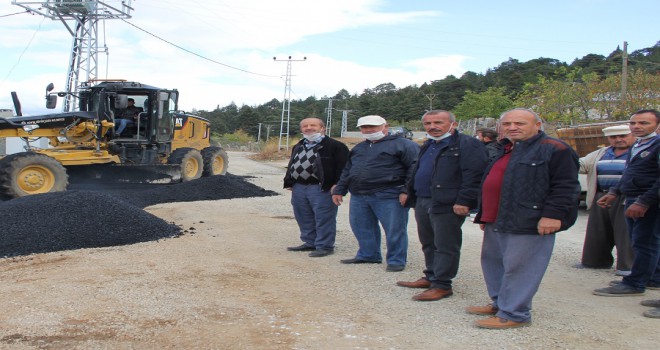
(229, 283)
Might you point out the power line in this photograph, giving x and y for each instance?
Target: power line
(196, 54)
(12, 14)
(23, 52)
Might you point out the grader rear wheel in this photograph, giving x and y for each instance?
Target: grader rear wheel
(28, 173)
(215, 161)
(191, 161)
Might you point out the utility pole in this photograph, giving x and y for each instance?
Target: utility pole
(286, 105)
(624, 74)
(344, 121)
(259, 134)
(328, 122)
(430, 97)
(85, 15)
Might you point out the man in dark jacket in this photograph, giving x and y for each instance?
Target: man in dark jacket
(444, 187)
(376, 174)
(528, 193)
(639, 185)
(314, 168)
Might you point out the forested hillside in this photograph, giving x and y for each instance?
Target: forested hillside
(586, 89)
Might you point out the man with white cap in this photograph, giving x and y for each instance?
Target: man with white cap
(376, 175)
(606, 227)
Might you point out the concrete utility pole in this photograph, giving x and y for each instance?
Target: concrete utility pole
(624, 73)
(85, 15)
(286, 105)
(430, 97)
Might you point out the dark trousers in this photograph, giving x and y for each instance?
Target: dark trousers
(606, 228)
(645, 233)
(441, 237)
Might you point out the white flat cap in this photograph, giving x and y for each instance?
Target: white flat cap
(371, 120)
(616, 130)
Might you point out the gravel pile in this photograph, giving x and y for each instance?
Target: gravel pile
(105, 216)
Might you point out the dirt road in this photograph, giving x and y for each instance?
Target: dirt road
(230, 284)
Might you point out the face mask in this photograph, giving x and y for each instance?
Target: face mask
(315, 137)
(441, 137)
(649, 136)
(374, 136)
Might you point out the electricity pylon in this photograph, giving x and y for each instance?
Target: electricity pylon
(286, 105)
(84, 15)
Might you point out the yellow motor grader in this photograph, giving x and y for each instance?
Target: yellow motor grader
(159, 145)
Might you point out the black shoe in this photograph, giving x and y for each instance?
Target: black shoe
(301, 248)
(321, 252)
(359, 261)
(395, 268)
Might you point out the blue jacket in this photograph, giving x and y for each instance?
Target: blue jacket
(375, 166)
(641, 178)
(457, 173)
(541, 180)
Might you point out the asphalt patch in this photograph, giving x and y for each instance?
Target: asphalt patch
(93, 216)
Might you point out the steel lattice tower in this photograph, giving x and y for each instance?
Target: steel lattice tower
(84, 16)
(286, 105)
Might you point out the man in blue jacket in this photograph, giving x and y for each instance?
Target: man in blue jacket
(376, 174)
(444, 187)
(529, 192)
(639, 185)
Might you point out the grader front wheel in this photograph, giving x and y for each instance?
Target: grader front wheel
(215, 161)
(28, 173)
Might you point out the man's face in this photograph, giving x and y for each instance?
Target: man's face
(519, 125)
(437, 124)
(643, 124)
(131, 103)
(311, 126)
(621, 141)
(370, 129)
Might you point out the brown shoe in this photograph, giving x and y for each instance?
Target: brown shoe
(481, 310)
(499, 323)
(420, 283)
(433, 294)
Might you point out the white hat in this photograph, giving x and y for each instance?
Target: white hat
(616, 130)
(371, 120)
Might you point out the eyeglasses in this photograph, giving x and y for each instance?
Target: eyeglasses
(618, 136)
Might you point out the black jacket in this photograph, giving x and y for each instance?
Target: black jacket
(376, 166)
(641, 179)
(541, 180)
(330, 162)
(457, 173)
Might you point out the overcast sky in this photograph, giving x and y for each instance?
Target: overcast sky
(352, 45)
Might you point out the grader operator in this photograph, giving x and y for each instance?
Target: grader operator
(159, 145)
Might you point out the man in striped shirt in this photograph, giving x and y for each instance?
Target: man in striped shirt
(606, 227)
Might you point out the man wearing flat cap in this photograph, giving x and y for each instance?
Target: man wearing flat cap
(606, 227)
(376, 175)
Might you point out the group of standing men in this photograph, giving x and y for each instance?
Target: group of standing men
(525, 188)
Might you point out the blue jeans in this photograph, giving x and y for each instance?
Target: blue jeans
(122, 124)
(365, 212)
(513, 266)
(316, 215)
(645, 237)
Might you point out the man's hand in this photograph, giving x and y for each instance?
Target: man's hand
(636, 211)
(547, 226)
(461, 210)
(337, 199)
(606, 200)
(403, 197)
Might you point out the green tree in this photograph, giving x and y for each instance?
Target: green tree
(490, 103)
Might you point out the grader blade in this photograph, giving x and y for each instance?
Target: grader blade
(125, 173)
